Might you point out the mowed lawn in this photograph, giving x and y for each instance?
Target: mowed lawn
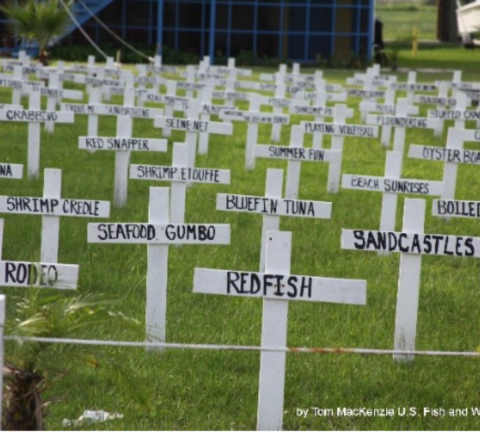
(399, 18)
(187, 389)
(441, 57)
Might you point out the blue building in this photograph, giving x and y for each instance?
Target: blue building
(298, 30)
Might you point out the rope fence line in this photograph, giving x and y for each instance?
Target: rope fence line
(80, 28)
(213, 347)
(106, 28)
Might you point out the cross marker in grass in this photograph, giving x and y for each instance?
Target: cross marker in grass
(389, 108)
(391, 186)
(460, 114)
(452, 156)
(277, 287)
(179, 174)
(55, 93)
(158, 234)
(401, 122)
(206, 109)
(272, 206)
(125, 114)
(254, 117)
(18, 84)
(193, 126)
(27, 274)
(51, 207)
(411, 243)
(338, 129)
(296, 154)
(34, 116)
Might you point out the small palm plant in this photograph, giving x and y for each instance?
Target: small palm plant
(39, 21)
(30, 367)
(394, 48)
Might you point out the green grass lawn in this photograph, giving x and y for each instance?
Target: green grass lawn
(218, 390)
(441, 57)
(399, 18)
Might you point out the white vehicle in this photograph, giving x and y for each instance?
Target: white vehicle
(468, 20)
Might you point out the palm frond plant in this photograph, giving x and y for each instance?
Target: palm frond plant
(39, 21)
(394, 48)
(30, 367)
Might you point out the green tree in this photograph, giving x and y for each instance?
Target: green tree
(38, 21)
(31, 367)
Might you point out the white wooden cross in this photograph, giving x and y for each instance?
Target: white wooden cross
(122, 145)
(125, 114)
(27, 274)
(443, 90)
(254, 117)
(296, 154)
(98, 81)
(272, 206)
(366, 94)
(302, 82)
(190, 86)
(334, 92)
(389, 107)
(128, 80)
(339, 130)
(157, 68)
(88, 68)
(442, 101)
(158, 233)
(12, 171)
(460, 114)
(193, 126)
(452, 155)
(446, 208)
(169, 107)
(374, 74)
(411, 86)
(401, 121)
(142, 80)
(231, 96)
(411, 243)
(34, 116)
(278, 107)
(18, 84)
(51, 206)
(276, 286)
(60, 69)
(391, 186)
(172, 103)
(81, 109)
(15, 83)
(26, 69)
(179, 174)
(55, 93)
(206, 109)
(260, 86)
(453, 84)
(320, 110)
(279, 103)
(369, 84)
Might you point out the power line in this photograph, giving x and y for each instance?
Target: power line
(94, 16)
(69, 12)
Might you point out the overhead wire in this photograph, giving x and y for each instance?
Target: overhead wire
(84, 33)
(105, 27)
